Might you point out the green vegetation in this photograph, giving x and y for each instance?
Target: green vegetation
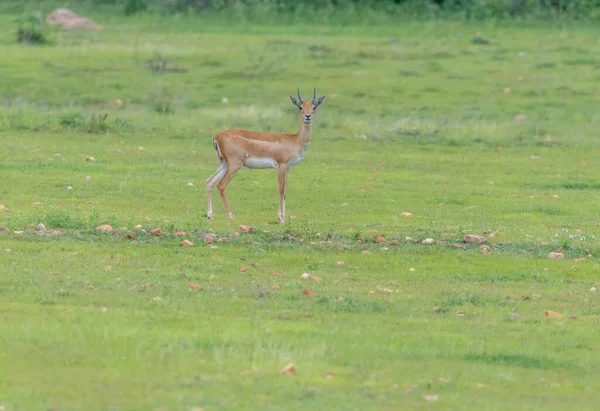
(495, 132)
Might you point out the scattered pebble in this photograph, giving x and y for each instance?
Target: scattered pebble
(474, 239)
(289, 369)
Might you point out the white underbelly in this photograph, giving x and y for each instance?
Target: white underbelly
(257, 162)
(295, 160)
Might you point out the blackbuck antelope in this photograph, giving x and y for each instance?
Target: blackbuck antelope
(236, 148)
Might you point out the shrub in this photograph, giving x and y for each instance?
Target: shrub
(30, 29)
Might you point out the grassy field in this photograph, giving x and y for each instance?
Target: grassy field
(496, 139)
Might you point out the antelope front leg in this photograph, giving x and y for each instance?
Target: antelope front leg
(282, 173)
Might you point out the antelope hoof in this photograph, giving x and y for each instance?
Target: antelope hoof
(281, 218)
(230, 216)
(210, 216)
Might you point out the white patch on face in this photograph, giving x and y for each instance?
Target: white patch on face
(257, 162)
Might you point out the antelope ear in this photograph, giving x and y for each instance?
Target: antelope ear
(294, 101)
(319, 101)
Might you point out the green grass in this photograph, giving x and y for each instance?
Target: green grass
(416, 120)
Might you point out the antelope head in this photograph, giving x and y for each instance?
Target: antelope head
(307, 107)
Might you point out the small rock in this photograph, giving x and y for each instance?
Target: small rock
(190, 184)
(507, 90)
(371, 292)
(289, 369)
(573, 317)
(235, 234)
(384, 249)
(431, 398)
(593, 289)
(405, 214)
(474, 239)
(195, 287)
(40, 227)
(513, 316)
(275, 287)
(131, 236)
(428, 241)
(245, 228)
(243, 269)
(3, 207)
(90, 159)
(223, 240)
(556, 255)
(138, 227)
(209, 239)
(485, 249)
(395, 241)
(157, 298)
(412, 270)
(379, 239)
(69, 188)
(521, 117)
(552, 314)
(305, 276)
(155, 231)
(88, 178)
(340, 263)
(307, 292)
(179, 233)
(187, 243)
(106, 228)
(460, 314)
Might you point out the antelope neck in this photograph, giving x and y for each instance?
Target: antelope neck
(304, 133)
